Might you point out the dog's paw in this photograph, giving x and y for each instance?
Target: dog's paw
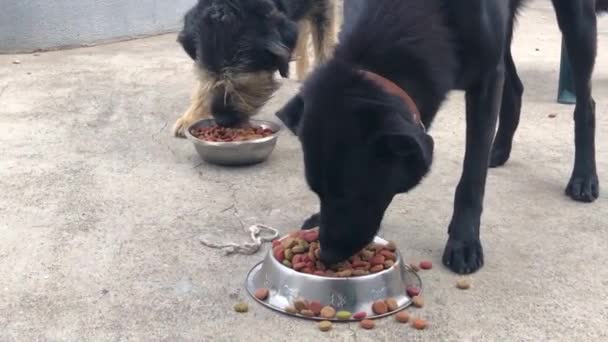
(180, 126)
(312, 222)
(463, 256)
(500, 155)
(583, 188)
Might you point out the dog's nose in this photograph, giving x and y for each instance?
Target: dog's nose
(226, 120)
(329, 258)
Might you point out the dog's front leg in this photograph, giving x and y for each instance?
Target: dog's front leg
(463, 252)
(199, 109)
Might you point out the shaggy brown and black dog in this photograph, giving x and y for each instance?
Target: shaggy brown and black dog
(361, 116)
(238, 46)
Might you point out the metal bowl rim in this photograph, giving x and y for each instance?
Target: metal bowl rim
(257, 267)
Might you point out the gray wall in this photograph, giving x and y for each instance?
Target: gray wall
(27, 25)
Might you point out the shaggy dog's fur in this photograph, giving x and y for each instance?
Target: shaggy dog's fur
(238, 45)
(362, 143)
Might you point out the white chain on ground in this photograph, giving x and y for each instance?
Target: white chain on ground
(248, 248)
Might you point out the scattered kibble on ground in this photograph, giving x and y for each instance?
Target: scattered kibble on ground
(325, 325)
(261, 294)
(420, 324)
(418, 301)
(379, 307)
(391, 304)
(426, 265)
(343, 315)
(402, 317)
(367, 324)
(413, 291)
(360, 315)
(463, 284)
(328, 312)
(241, 307)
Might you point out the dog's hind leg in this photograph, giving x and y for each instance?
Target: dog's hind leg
(302, 60)
(323, 29)
(578, 23)
(509, 112)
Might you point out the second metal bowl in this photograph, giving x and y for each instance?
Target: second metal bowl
(238, 152)
(354, 294)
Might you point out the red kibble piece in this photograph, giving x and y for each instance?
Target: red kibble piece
(316, 307)
(426, 265)
(276, 242)
(420, 324)
(299, 266)
(306, 270)
(376, 268)
(261, 293)
(319, 273)
(413, 291)
(377, 260)
(360, 315)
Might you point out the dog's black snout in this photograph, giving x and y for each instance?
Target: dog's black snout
(329, 257)
(227, 120)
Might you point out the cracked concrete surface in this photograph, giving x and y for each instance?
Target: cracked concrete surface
(101, 210)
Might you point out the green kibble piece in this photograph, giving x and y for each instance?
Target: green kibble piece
(291, 309)
(287, 263)
(241, 307)
(288, 254)
(343, 315)
(298, 249)
(304, 244)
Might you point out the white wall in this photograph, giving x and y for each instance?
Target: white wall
(27, 25)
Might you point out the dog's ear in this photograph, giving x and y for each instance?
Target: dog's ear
(188, 44)
(283, 44)
(409, 145)
(186, 36)
(291, 113)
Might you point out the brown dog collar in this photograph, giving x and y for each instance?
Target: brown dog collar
(392, 88)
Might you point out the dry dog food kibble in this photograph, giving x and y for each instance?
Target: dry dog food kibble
(316, 307)
(413, 291)
(300, 304)
(343, 315)
(291, 309)
(261, 294)
(225, 134)
(300, 250)
(418, 301)
(391, 304)
(402, 317)
(325, 325)
(328, 312)
(241, 307)
(360, 315)
(426, 265)
(367, 324)
(463, 284)
(420, 324)
(379, 307)
(307, 313)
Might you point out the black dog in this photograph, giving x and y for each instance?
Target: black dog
(361, 116)
(238, 45)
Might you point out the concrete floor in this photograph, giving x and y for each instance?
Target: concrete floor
(101, 210)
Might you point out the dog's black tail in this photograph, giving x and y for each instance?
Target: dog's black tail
(601, 6)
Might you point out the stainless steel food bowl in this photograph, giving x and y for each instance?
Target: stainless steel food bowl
(237, 152)
(354, 294)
